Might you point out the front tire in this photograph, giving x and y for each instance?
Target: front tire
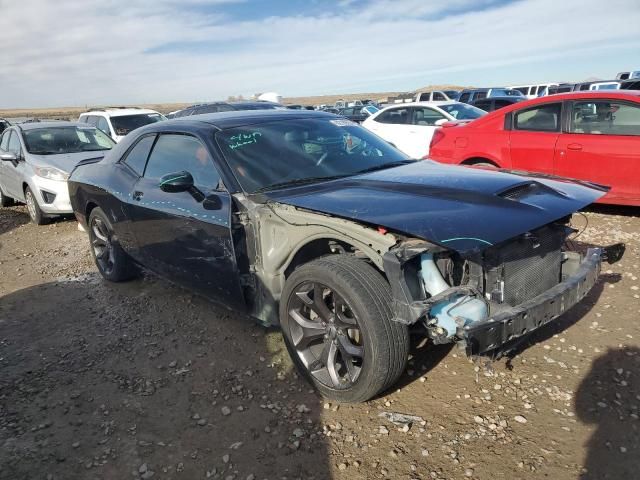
(37, 216)
(112, 261)
(336, 320)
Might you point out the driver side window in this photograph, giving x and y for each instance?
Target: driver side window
(397, 116)
(4, 143)
(14, 144)
(176, 152)
(426, 117)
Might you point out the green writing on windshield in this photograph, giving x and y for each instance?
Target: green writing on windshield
(243, 139)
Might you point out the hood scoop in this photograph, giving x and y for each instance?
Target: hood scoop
(523, 190)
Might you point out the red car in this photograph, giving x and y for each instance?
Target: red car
(593, 136)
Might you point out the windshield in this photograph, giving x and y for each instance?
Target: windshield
(462, 111)
(124, 124)
(370, 109)
(269, 155)
(607, 86)
(71, 139)
(258, 106)
(506, 92)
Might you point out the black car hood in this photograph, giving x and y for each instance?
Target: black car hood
(460, 208)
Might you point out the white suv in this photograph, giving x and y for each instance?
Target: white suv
(118, 121)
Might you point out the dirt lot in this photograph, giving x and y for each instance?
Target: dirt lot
(144, 380)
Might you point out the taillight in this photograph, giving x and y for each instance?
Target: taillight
(437, 136)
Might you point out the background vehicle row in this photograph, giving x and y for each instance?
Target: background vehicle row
(591, 136)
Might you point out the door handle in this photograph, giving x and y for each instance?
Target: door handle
(574, 146)
(137, 195)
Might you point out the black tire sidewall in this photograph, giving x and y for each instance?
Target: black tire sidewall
(375, 363)
(39, 218)
(123, 268)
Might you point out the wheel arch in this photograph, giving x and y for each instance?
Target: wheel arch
(320, 246)
(88, 208)
(480, 159)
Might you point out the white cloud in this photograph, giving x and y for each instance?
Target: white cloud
(72, 52)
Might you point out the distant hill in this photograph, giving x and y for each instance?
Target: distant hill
(377, 96)
(73, 112)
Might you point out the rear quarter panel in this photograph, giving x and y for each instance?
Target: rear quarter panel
(486, 139)
(108, 186)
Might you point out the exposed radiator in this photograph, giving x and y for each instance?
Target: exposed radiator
(525, 267)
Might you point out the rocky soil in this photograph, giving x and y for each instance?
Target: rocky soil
(144, 380)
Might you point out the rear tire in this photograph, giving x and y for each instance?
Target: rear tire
(5, 201)
(37, 216)
(112, 261)
(336, 320)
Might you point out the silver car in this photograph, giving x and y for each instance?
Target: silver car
(36, 159)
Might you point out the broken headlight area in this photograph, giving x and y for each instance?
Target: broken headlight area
(494, 295)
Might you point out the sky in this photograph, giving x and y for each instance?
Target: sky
(79, 52)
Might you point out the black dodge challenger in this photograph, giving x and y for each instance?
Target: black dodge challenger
(308, 221)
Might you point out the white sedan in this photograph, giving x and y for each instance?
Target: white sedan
(410, 126)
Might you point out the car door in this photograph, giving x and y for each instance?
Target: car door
(180, 235)
(392, 124)
(533, 136)
(602, 144)
(14, 171)
(422, 125)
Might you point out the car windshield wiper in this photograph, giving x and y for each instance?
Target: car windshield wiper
(299, 181)
(384, 166)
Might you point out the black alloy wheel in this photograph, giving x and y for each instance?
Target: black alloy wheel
(103, 250)
(336, 319)
(326, 335)
(112, 261)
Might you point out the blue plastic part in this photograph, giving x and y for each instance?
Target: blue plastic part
(460, 310)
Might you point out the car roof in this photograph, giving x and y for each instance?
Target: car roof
(503, 97)
(438, 103)
(617, 94)
(239, 118)
(560, 97)
(51, 124)
(119, 111)
(204, 104)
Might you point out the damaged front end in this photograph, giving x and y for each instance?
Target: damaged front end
(488, 298)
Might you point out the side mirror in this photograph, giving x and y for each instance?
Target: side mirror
(441, 122)
(8, 157)
(212, 202)
(176, 182)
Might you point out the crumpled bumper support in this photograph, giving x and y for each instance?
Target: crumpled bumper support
(514, 322)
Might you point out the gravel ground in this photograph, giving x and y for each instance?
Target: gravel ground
(144, 380)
